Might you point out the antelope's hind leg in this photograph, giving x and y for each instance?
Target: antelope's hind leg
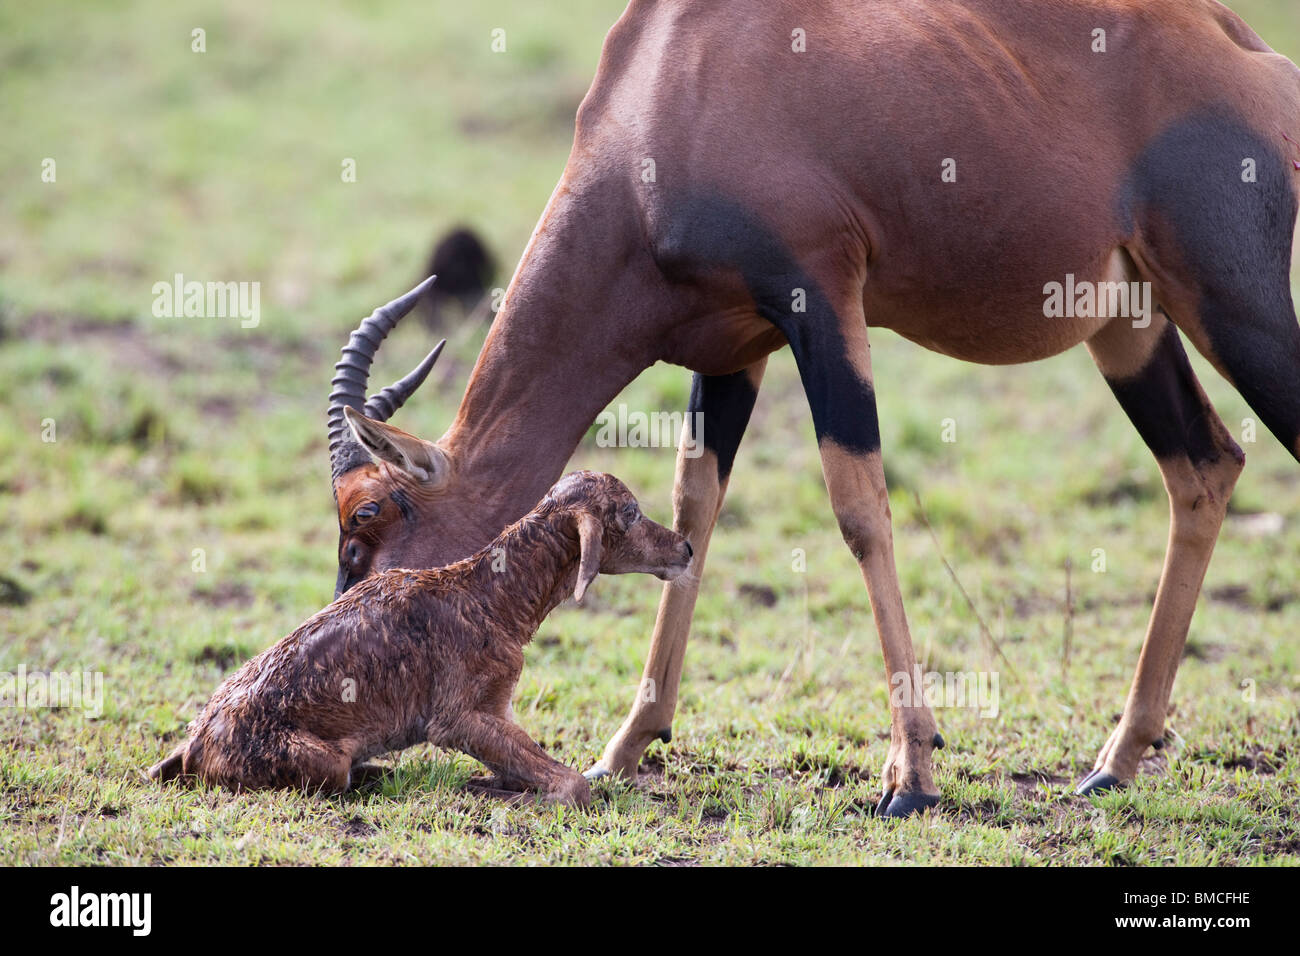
(1217, 250)
(1149, 373)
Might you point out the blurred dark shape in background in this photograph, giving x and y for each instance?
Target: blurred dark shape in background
(464, 268)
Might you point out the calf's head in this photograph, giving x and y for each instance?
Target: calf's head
(615, 537)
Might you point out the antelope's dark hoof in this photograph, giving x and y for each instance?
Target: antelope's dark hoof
(937, 743)
(1097, 782)
(666, 735)
(905, 804)
(596, 772)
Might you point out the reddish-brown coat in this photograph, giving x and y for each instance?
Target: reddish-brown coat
(430, 655)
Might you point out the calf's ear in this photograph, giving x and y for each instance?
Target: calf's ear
(589, 535)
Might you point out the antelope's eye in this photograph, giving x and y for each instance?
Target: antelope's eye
(630, 514)
(366, 511)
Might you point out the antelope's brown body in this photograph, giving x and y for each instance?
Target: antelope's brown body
(927, 166)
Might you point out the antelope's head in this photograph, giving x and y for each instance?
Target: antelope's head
(396, 494)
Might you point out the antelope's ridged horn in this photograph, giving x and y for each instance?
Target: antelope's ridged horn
(348, 387)
(382, 404)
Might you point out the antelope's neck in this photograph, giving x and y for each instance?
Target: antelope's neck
(575, 327)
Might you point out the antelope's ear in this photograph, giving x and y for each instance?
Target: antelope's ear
(589, 535)
(422, 460)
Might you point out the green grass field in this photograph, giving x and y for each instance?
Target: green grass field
(180, 434)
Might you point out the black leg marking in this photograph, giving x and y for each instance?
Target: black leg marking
(843, 405)
(712, 232)
(720, 406)
(1164, 405)
(1234, 237)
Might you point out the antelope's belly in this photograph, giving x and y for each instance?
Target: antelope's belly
(1023, 317)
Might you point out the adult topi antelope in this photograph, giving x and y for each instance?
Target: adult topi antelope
(928, 167)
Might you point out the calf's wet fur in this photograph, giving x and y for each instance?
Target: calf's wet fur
(431, 655)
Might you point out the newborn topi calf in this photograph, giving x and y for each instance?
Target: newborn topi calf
(434, 655)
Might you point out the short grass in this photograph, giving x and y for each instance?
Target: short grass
(175, 435)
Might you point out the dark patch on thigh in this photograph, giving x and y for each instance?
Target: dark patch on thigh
(720, 406)
(1187, 187)
(1164, 404)
(703, 233)
(1234, 238)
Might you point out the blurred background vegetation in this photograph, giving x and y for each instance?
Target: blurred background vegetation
(183, 434)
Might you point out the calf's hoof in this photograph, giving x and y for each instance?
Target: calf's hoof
(905, 803)
(1098, 782)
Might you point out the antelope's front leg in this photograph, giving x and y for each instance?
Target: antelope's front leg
(835, 365)
(856, 482)
(716, 418)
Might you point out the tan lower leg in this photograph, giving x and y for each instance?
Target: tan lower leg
(697, 501)
(1199, 479)
(861, 501)
(1198, 502)
(697, 498)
